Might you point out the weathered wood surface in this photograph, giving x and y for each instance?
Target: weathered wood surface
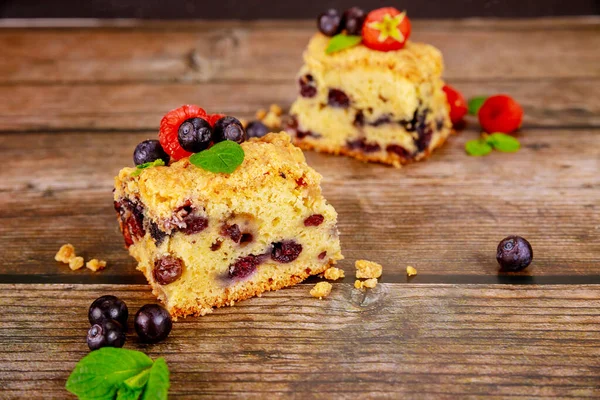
(400, 341)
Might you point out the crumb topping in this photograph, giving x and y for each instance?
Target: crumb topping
(321, 289)
(65, 253)
(96, 265)
(369, 283)
(333, 274)
(76, 263)
(368, 269)
(411, 271)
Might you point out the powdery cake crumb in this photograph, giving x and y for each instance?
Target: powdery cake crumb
(411, 271)
(368, 269)
(333, 274)
(369, 283)
(75, 263)
(65, 253)
(95, 265)
(321, 289)
(271, 118)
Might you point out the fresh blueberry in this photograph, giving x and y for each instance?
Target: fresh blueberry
(353, 20)
(95, 337)
(149, 151)
(108, 308)
(256, 129)
(229, 128)
(108, 333)
(330, 22)
(194, 135)
(152, 323)
(514, 253)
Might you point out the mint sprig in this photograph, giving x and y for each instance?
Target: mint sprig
(110, 373)
(224, 157)
(141, 167)
(341, 42)
(498, 141)
(475, 104)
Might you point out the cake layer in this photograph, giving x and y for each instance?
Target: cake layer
(227, 237)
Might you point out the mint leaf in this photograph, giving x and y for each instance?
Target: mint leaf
(141, 167)
(101, 373)
(478, 147)
(503, 142)
(475, 104)
(224, 156)
(126, 393)
(342, 41)
(158, 382)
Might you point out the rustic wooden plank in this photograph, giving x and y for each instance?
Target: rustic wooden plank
(444, 216)
(547, 103)
(216, 51)
(414, 341)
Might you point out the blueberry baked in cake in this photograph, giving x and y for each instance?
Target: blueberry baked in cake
(368, 92)
(213, 217)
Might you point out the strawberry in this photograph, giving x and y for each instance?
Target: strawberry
(500, 113)
(458, 105)
(386, 29)
(213, 118)
(169, 126)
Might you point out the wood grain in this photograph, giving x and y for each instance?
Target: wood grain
(410, 341)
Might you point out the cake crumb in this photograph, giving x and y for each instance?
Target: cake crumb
(411, 271)
(96, 265)
(333, 274)
(369, 283)
(75, 263)
(368, 269)
(276, 109)
(261, 114)
(321, 289)
(65, 253)
(271, 118)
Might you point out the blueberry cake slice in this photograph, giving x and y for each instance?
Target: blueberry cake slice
(374, 101)
(206, 239)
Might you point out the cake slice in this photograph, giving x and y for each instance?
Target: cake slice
(371, 102)
(206, 239)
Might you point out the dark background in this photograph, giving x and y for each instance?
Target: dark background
(297, 9)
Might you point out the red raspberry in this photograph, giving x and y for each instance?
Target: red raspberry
(458, 105)
(500, 113)
(386, 29)
(169, 126)
(212, 119)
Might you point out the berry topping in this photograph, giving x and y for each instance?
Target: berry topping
(149, 151)
(167, 270)
(500, 113)
(212, 119)
(106, 308)
(308, 86)
(337, 98)
(286, 252)
(514, 253)
(194, 135)
(458, 105)
(131, 220)
(108, 333)
(229, 128)
(352, 20)
(329, 22)
(169, 129)
(152, 323)
(314, 220)
(256, 129)
(386, 29)
(243, 267)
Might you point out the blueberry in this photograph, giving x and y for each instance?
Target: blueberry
(243, 266)
(337, 98)
(108, 308)
(108, 333)
(353, 20)
(330, 22)
(149, 151)
(167, 270)
(194, 135)
(152, 323)
(514, 253)
(308, 86)
(229, 128)
(286, 252)
(256, 129)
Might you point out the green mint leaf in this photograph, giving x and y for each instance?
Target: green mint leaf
(126, 393)
(157, 387)
(141, 167)
(475, 104)
(478, 147)
(101, 373)
(341, 41)
(224, 156)
(503, 142)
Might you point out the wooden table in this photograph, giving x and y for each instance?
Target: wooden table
(77, 99)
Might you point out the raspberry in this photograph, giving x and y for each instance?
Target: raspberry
(212, 119)
(458, 105)
(169, 127)
(500, 113)
(386, 29)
